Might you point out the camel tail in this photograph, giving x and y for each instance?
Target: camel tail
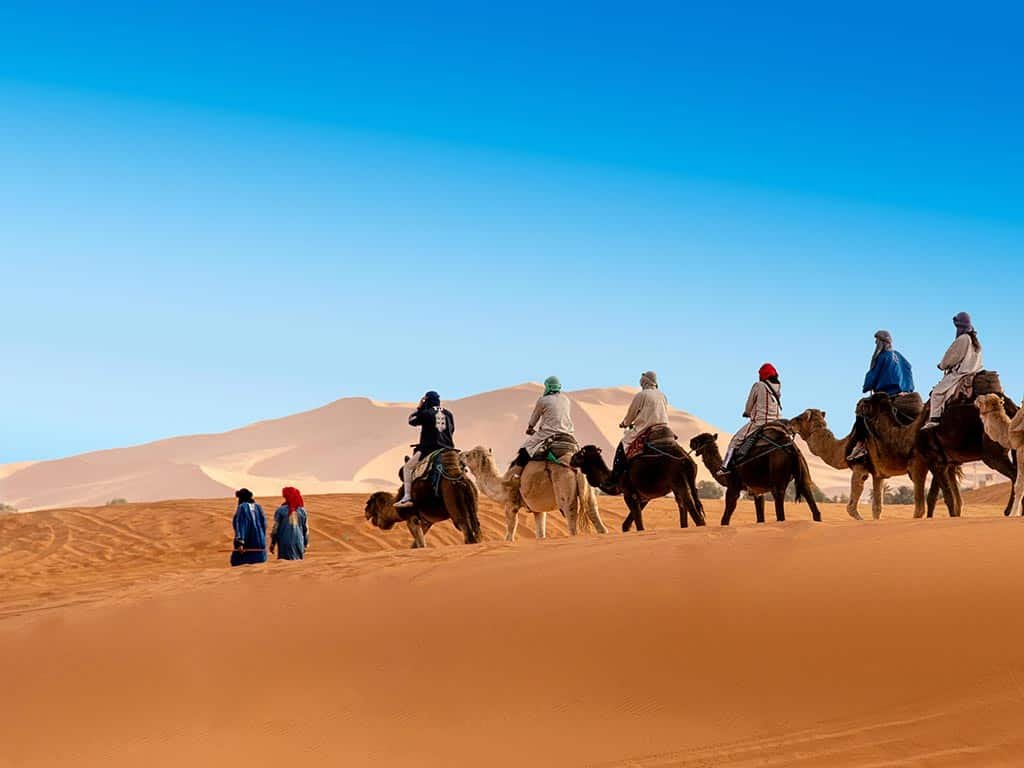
(585, 501)
(801, 477)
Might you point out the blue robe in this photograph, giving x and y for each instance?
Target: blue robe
(291, 537)
(891, 374)
(251, 531)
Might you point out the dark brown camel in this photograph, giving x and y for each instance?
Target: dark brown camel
(646, 477)
(455, 500)
(768, 468)
(959, 438)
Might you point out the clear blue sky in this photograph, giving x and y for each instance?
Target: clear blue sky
(213, 215)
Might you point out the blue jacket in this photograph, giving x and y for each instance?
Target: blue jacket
(251, 531)
(891, 373)
(290, 534)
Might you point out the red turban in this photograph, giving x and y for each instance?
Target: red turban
(766, 371)
(292, 497)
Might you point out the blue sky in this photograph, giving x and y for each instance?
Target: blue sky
(210, 216)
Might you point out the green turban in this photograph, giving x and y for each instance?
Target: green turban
(552, 385)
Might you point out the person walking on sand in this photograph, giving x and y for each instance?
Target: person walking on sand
(250, 531)
(290, 535)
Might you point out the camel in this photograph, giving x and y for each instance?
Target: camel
(811, 426)
(455, 500)
(1008, 432)
(773, 461)
(879, 466)
(544, 486)
(648, 476)
(958, 439)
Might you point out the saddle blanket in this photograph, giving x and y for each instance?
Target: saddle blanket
(656, 438)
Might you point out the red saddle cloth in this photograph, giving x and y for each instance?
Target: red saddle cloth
(656, 433)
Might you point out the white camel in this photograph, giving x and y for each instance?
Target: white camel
(544, 486)
(1008, 432)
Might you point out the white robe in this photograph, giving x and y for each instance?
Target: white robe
(551, 416)
(762, 407)
(960, 361)
(649, 407)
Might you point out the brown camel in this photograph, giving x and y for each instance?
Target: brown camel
(647, 476)
(1008, 432)
(543, 486)
(772, 462)
(811, 426)
(958, 439)
(455, 500)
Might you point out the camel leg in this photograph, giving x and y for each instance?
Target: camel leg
(636, 508)
(877, 496)
(917, 475)
(809, 496)
(419, 538)
(857, 480)
(540, 524)
(780, 505)
(957, 507)
(997, 458)
(732, 496)
(511, 521)
(759, 508)
(696, 505)
(588, 502)
(938, 484)
(1019, 487)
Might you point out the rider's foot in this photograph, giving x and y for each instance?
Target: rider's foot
(722, 475)
(932, 424)
(403, 504)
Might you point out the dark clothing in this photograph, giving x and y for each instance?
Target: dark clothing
(437, 425)
(250, 535)
(891, 374)
(290, 534)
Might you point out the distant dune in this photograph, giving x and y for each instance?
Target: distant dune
(125, 641)
(354, 445)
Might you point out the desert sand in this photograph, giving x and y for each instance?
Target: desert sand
(353, 445)
(125, 640)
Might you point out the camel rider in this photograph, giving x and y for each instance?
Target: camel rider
(437, 425)
(889, 372)
(962, 359)
(552, 415)
(649, 408)
(764, 405)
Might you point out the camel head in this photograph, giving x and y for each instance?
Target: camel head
(989, 404)
(380, 510)
(807, 423)
(703, 442)
(475, 458)
(587, 457)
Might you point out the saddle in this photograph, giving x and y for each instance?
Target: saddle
(777, 434)
(445, 462)
(654, 441)
(557, 449)
(973, 386)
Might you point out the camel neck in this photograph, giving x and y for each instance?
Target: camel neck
(490, 481)
(825, 446)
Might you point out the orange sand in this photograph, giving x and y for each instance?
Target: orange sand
(125, 641)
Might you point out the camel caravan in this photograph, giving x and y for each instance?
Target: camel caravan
(966, 418)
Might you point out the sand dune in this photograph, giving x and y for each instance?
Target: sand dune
(354, 445)
(837, 644)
